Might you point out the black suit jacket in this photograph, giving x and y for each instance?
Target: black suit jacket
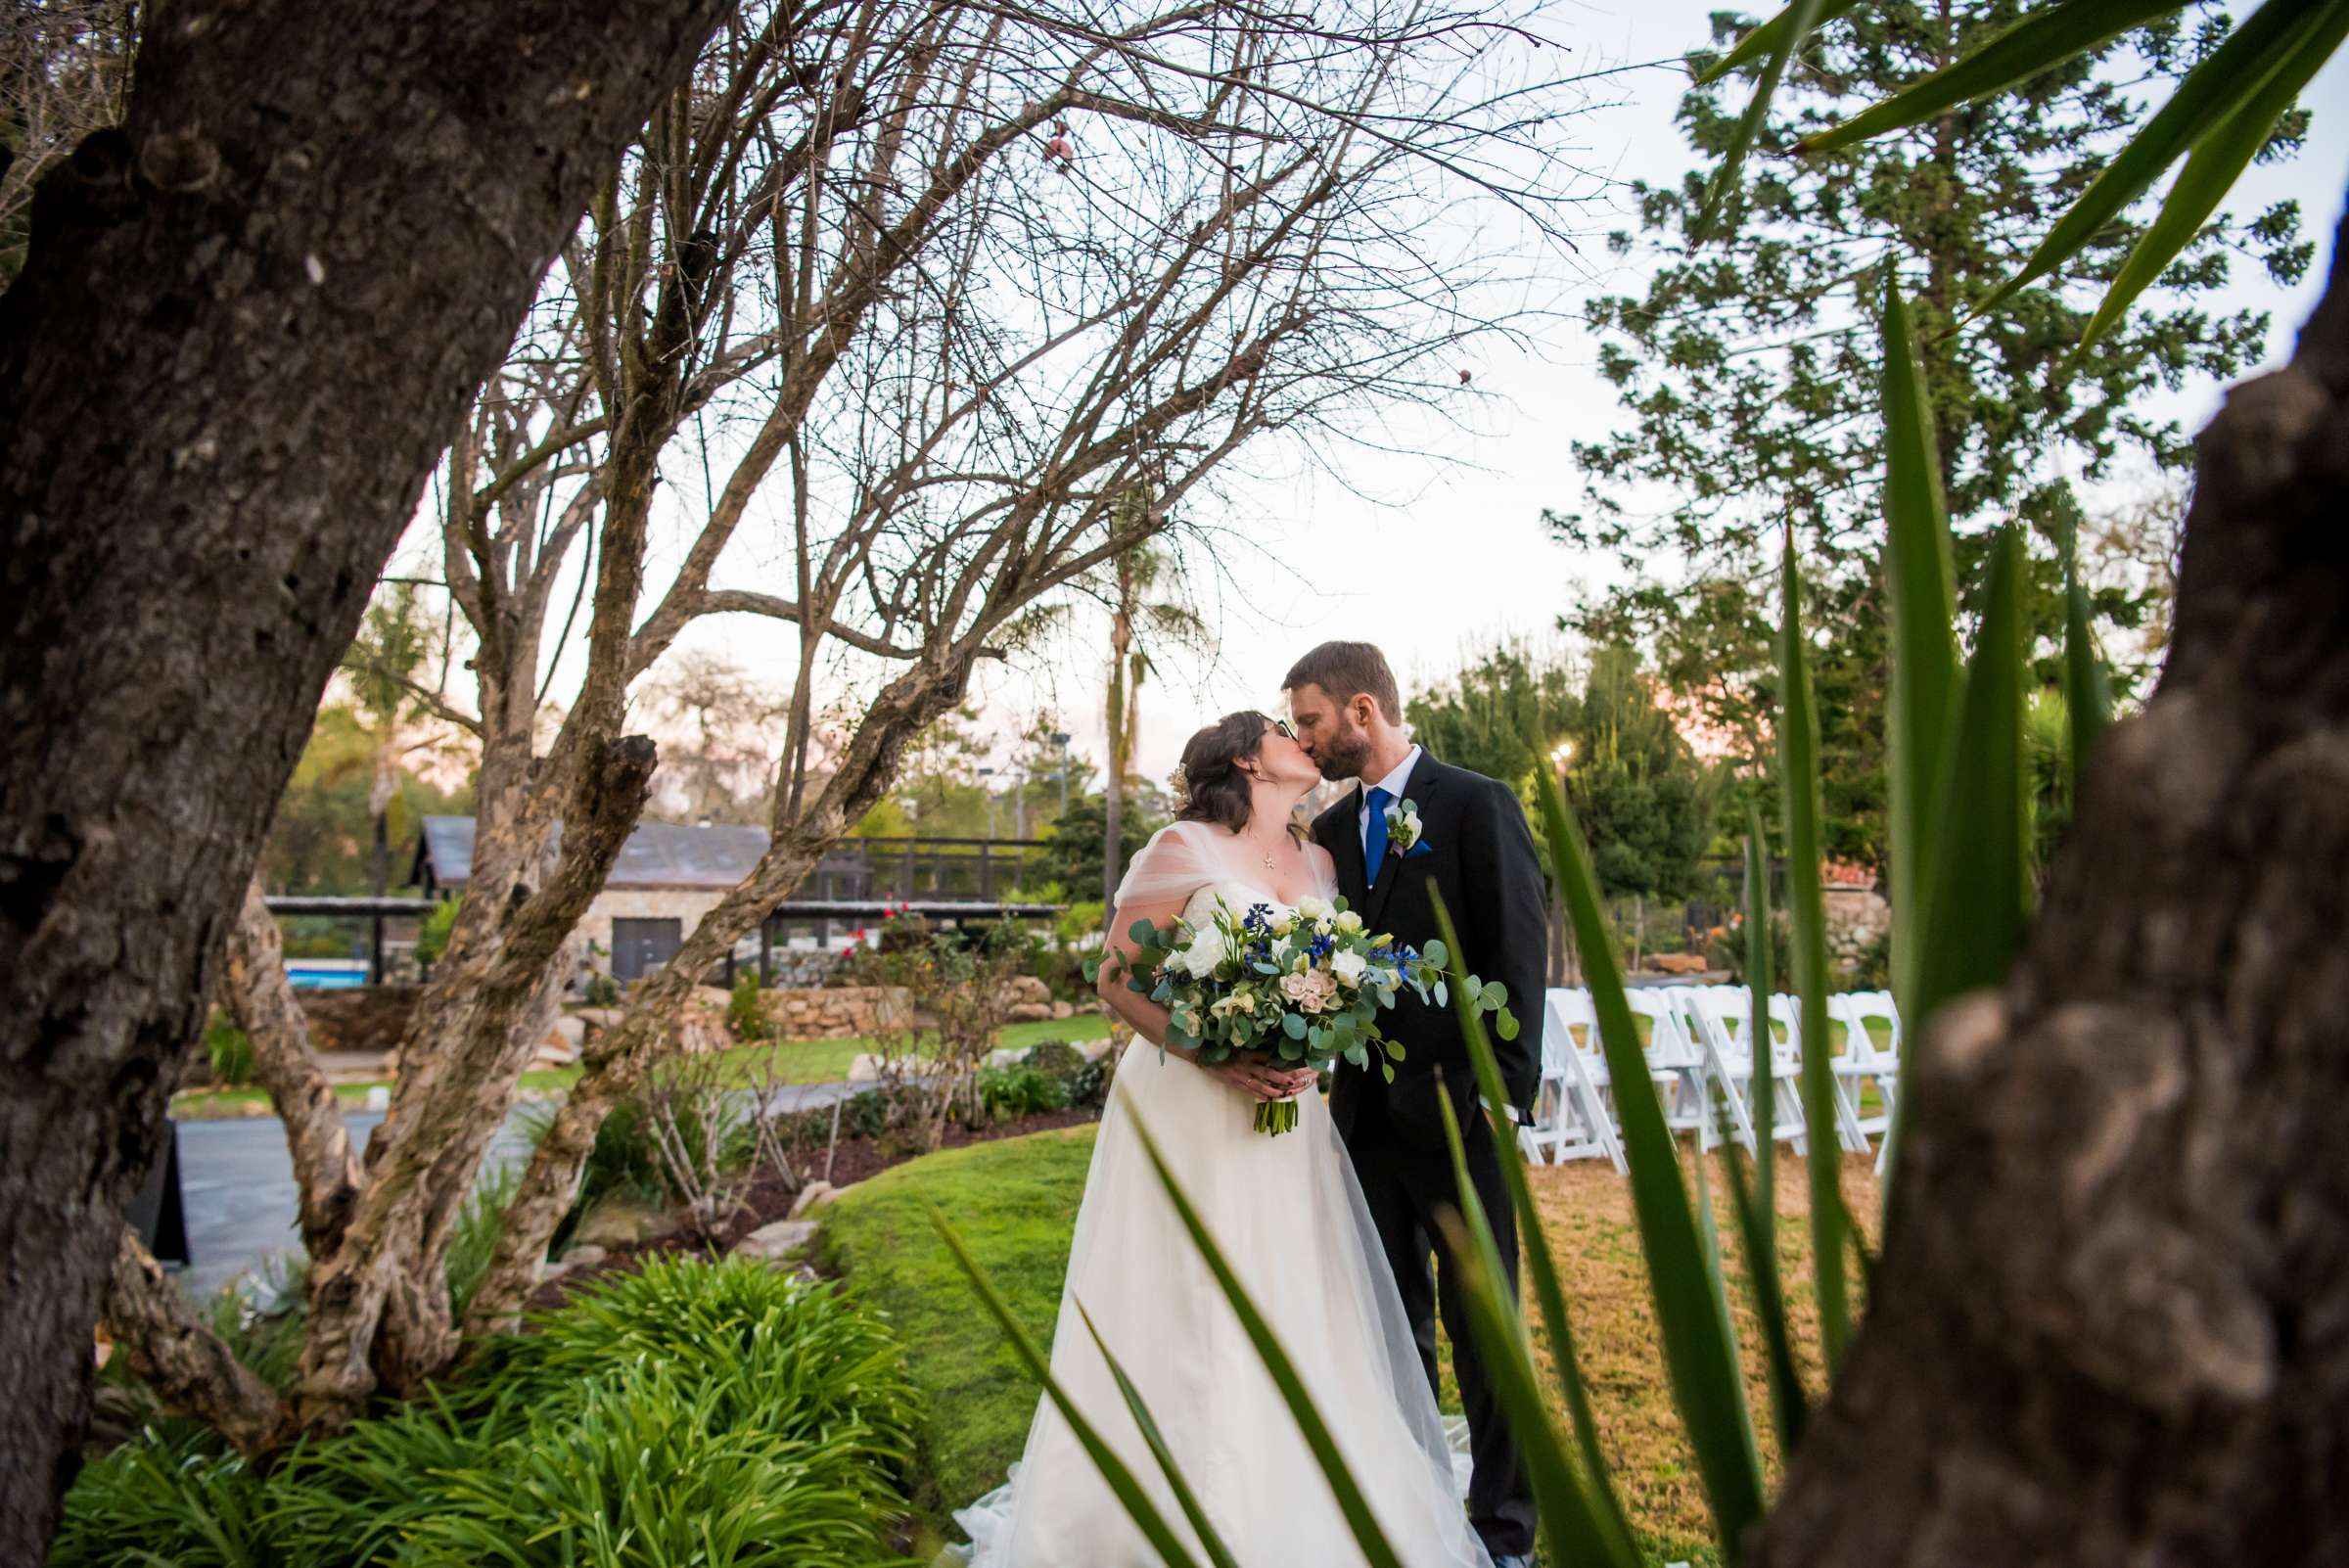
(1479, 852)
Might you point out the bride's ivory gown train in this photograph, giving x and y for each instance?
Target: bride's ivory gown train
(1287, 1213)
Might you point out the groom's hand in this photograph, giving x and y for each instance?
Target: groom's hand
(1261, 1079)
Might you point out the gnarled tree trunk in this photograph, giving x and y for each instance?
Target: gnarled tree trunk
(248, 321)
(2112, 1315)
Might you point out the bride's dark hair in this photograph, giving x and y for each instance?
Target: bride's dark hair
(1210, 786)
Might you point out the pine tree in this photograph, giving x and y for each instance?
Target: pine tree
(1750, 365)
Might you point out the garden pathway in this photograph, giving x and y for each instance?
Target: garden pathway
(237, 1181)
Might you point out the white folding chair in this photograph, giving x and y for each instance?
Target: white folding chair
(1787, 1013)
(1863, 1062)
(1673, 1061)
(1571, 1117)
(1724, 1026)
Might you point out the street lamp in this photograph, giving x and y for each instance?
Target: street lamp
(1060, 739)
(987, 791)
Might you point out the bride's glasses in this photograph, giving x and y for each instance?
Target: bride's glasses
(1281, 726)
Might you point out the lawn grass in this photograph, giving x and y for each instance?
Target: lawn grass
(804, 1061)
(1015, 1201)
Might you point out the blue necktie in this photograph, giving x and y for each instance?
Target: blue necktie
(1374, 841)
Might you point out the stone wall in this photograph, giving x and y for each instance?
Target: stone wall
(1857, 919)
(838, 1012)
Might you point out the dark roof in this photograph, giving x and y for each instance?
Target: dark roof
(657, 854)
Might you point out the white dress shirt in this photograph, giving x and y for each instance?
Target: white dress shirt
(1394, 784)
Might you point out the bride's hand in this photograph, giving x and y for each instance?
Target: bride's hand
(1262, 1079)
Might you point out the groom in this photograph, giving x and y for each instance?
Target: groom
(1473, 845)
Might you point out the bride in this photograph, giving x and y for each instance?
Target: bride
(1287, 1214)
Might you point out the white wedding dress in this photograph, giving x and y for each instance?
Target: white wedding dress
(1287, 1213)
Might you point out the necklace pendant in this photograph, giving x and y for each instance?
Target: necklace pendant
(1269, 865)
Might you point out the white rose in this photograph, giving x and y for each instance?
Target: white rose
(1205, 952)
(1350, 923)
(1313, 908)
(1348, 967)
(1411, 826)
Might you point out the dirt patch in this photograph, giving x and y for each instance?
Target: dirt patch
(766, 1199)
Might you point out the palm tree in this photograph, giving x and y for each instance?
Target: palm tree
(1136, 623)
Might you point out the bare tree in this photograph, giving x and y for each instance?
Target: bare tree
(714, 718)
(247, 321)
(64, 71)
(1200, 255)
(954, 281)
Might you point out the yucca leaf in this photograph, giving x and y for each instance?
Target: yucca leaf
(1706, 1383)
(1138, 1506)
(1799, 19)
(2206, 97)
(1572, 1519)
(1806, 900)
(1613, 1525)
(1185, 1498)
(1979, 878)
(1758, 1209)
(1367, 1535)
(1918, 586)
(2041, 41)
(1765, 39)
(2219, 157)
(2087, 694)
(1759, 982)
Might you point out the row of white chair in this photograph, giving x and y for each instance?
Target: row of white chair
(1701, 1058)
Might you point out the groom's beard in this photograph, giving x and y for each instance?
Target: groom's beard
(1344, 757)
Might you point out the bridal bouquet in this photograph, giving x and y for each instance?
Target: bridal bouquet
(1304, 986)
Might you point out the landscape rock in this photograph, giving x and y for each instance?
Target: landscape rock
(811, 1195)
(778, 1242)
(1028, 990)
(1062, 1009)
(1028, 1012)
(618, 1222)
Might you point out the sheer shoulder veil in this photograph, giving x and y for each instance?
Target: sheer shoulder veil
(1181, 858)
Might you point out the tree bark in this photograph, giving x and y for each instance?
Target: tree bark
(247, 321)
(615, 1062)
(326, 1169)
(177, 1355)
(379, 1305)
(2110, 1316)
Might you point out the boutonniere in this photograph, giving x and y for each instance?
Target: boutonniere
(1402, 829)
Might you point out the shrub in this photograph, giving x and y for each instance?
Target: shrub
(643, 1470)
(1057, 1059)
(746, 1012)
(722, 1414)
(1011, 1093)
(432, 933)
(171, 1496)
(229, 1051)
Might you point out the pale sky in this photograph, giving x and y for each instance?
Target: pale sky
(1435, 552)
(1459, 555)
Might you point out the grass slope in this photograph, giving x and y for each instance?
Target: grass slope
(1015, 1201)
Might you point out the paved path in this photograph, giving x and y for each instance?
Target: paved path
(238, 1182)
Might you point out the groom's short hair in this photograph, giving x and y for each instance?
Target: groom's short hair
(1347, 670)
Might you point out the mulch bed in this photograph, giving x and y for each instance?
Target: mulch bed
(766, 1199)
